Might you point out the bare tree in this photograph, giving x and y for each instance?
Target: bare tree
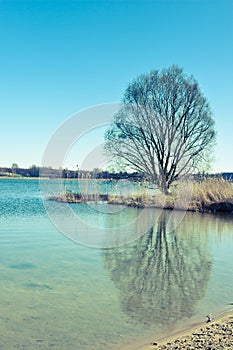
(164, 127)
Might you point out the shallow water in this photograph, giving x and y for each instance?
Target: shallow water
(59, 294)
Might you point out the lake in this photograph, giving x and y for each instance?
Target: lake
(105, 282)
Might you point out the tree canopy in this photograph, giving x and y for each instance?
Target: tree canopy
(164, 127)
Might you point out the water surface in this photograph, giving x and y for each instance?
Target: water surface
(59, 294)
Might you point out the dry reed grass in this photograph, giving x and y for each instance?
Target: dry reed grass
(210, 193)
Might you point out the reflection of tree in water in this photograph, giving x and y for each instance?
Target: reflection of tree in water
(160, 276)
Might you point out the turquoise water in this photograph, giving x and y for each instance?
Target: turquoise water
(61, 295)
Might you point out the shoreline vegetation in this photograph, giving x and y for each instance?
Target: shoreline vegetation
(208, 195)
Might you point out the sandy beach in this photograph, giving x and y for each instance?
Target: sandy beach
(214, 335)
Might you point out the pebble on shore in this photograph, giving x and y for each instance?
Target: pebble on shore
(213, 336)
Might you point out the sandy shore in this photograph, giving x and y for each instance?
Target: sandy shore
(214, 335)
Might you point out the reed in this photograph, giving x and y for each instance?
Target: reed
(211, 192)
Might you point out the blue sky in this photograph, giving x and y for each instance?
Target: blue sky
(60, 57)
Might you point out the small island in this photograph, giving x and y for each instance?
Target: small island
(208, 195)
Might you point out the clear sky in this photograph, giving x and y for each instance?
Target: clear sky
(59, 57)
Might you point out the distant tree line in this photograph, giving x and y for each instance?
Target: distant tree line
(33, 171)
(36, 171)
(202, 176)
